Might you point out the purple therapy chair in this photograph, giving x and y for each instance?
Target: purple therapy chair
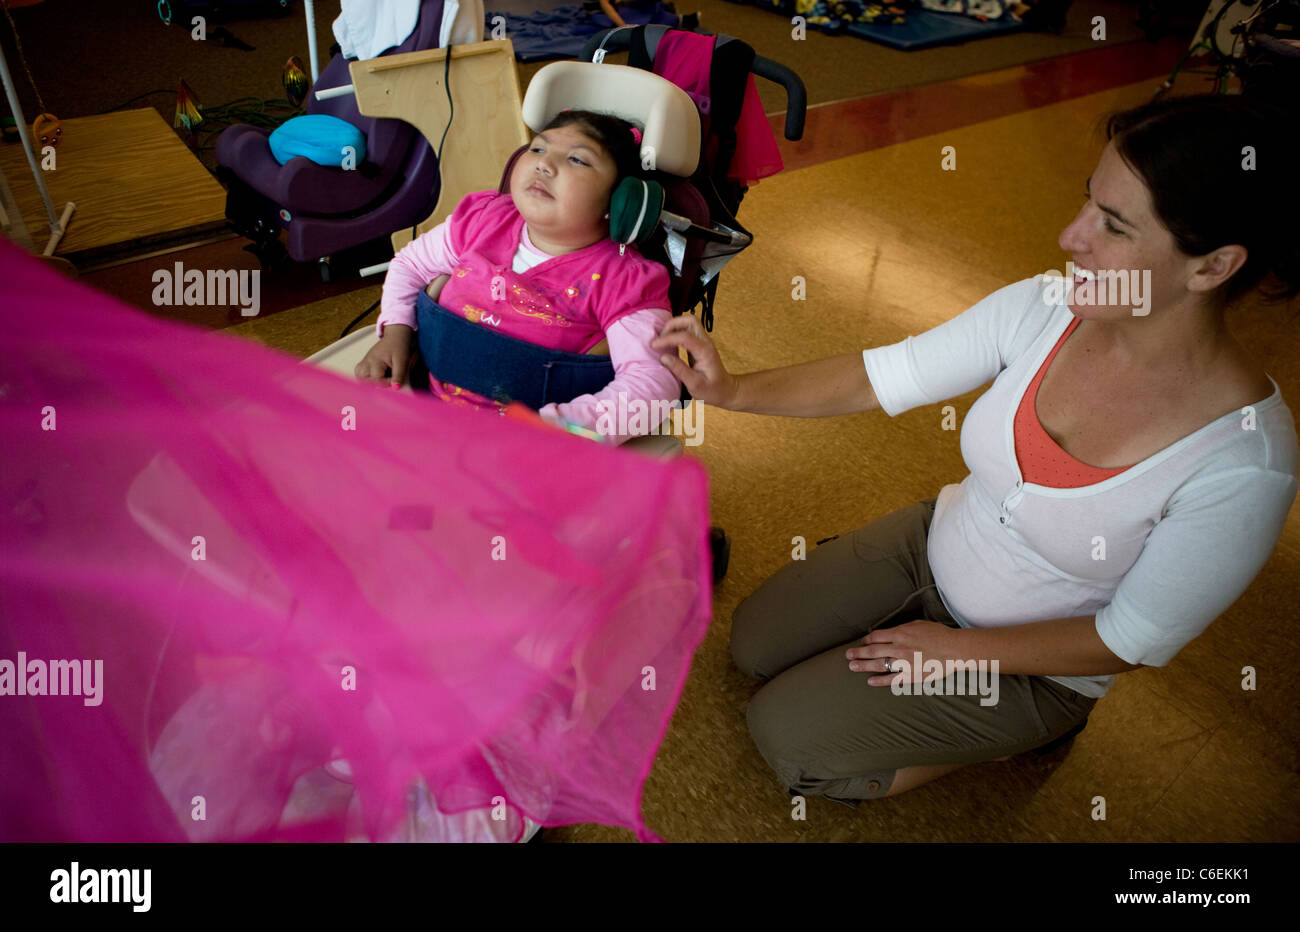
(325, 210)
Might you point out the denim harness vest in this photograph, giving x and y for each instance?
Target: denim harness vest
(503, 368)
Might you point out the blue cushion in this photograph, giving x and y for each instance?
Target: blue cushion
(319, 137)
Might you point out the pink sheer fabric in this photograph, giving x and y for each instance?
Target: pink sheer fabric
(323, 610)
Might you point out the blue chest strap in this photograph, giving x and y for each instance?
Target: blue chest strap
(478, 359)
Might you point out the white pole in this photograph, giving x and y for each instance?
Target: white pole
(21, 121)
(339, 91)
(11, 218)
(57, 226)
(56, 234)
(310, 7)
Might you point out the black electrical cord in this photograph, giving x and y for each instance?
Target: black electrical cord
(451, 108)
(359, 318)
(133, 100)
(256, 114)
(451, 112)
(267, 114)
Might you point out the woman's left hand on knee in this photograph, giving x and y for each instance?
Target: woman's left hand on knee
(907, 648)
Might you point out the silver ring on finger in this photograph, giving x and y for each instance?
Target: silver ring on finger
(888, 668)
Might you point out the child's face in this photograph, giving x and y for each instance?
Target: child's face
(561, 186)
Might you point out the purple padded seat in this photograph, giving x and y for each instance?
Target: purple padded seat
(332, 209)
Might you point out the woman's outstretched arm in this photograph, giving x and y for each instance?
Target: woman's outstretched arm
(821, 388)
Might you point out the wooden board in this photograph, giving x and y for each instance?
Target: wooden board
(135, 184)
(486, 126)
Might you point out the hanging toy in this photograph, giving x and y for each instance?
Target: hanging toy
(294, 79)
(45, 127)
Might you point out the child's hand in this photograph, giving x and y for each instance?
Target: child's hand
(435, 286)
(391, 354)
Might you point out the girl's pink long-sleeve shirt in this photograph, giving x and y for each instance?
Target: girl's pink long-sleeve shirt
(638, 374)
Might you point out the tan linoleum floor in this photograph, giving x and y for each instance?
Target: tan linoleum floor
(889, 244)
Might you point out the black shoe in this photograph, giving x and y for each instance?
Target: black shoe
(1047, 16)
(720, 547)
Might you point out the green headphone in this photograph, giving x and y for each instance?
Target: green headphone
(634, 209)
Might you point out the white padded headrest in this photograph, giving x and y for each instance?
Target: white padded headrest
(670, 138)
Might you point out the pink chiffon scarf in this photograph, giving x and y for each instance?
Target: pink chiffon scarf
(324, 610)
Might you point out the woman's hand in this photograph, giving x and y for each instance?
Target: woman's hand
(391, 354)
(821, 388)
(707, 380)
(930, 639)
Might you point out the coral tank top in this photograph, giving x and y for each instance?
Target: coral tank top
(1041, 459)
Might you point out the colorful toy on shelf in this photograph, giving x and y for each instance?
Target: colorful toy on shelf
(189, 112)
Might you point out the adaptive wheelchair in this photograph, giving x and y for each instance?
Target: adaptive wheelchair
(691, 226)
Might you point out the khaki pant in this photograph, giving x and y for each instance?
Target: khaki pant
(822, 727)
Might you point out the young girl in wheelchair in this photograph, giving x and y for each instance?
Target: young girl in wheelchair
(538, 264)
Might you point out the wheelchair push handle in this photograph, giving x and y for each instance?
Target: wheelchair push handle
(619, 39)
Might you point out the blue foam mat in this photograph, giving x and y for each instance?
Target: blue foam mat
(925, 29)
(922, 28)
(561, 32)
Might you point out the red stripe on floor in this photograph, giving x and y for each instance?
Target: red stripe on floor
(848, 127)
